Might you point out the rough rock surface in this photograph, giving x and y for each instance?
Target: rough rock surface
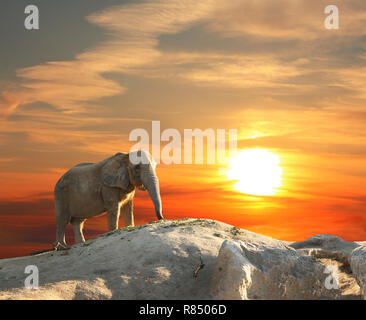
(272, 269)
(182, 259)
(358, 266)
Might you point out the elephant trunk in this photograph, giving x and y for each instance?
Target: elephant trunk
(151, 183)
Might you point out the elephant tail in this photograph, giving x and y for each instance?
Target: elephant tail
(61, 197)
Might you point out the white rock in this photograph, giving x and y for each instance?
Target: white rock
(272, 269)
(358, 266)
(155, 261)
(159, 260)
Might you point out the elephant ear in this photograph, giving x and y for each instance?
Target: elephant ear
(114, 172)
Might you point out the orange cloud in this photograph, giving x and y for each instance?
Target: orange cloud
(286, 19)
(8, 104)
(133, 32)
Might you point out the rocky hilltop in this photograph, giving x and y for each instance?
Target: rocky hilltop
(192, 259)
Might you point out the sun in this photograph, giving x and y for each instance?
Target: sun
(257, 172)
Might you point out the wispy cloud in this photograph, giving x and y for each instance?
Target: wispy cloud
(286, 19)
(133, 32)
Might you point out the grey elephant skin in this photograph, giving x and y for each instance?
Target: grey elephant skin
(91, 189)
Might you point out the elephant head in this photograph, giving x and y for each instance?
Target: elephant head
(134, 170)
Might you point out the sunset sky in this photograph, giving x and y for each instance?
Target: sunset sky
(73, 90)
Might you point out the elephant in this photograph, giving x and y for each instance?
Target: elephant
(91, 189)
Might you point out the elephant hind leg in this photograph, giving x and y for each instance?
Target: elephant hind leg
(62, 220)
(77, 226)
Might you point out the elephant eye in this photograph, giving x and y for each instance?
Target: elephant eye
(137, 167)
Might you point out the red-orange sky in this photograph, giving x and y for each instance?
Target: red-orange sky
(73, 90)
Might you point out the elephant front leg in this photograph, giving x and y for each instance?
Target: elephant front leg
(113, 216)
(127, 213)
(77, 225)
